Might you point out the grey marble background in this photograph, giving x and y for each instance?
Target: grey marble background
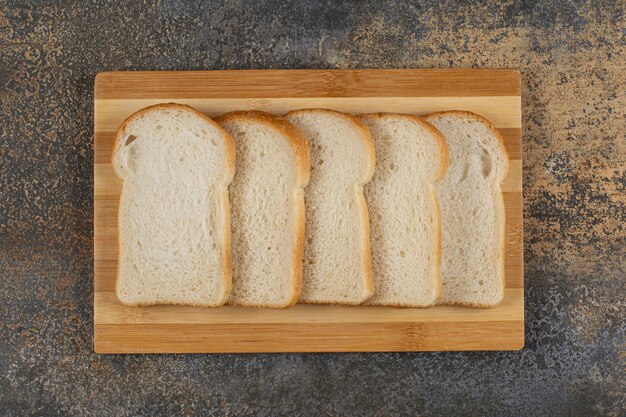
(572, 58)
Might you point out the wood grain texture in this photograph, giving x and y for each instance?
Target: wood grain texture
(307, 83)
(361, 336)
(494, 94)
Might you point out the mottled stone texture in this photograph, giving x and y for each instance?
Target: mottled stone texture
(572, 58)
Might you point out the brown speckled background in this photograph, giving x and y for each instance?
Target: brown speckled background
(573, 62)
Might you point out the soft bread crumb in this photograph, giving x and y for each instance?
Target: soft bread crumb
(403, 206)
(472, 210)
(174, 245)
(337, 263)
(267, 209)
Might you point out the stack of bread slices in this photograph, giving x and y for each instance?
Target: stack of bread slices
(314, 206)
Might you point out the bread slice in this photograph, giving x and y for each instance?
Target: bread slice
(411, 157)
(337, 260)
(472, 210)
(174, 227)
(267, 209)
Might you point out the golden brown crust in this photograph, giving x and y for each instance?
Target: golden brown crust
(441, 141)
(367, 258)
(298, 251)
(366, 136)
(470, 115)
(499, 198)
(443, 167)
(469, 304)
(438, 250)
(229, 142)
(229, 146)
(359, 125)
(444, 152)
(396, 304)
(333, 302)
(227, 259)
(167, 303)
(293, 134)
(301, 147)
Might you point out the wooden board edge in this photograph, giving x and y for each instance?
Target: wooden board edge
(308, 83)
(352, 337)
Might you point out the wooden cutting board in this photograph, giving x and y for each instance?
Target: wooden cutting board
(494, 94)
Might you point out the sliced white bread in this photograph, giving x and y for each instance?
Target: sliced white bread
(411, 156)
(267, 209)
(472, 210)
(174, 227)
(337, 260)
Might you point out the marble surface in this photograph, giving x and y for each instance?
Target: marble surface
(572, 58)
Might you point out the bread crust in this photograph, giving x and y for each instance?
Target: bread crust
(473, 116)
(366, 136)
(301, 147)
(296, 138)
(229, 147)
(464, 114)
(439, 174)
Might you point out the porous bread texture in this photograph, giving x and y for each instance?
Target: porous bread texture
(174, 226)
(405, 226)
(267, 209)
(472, 210)
(337, 260)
